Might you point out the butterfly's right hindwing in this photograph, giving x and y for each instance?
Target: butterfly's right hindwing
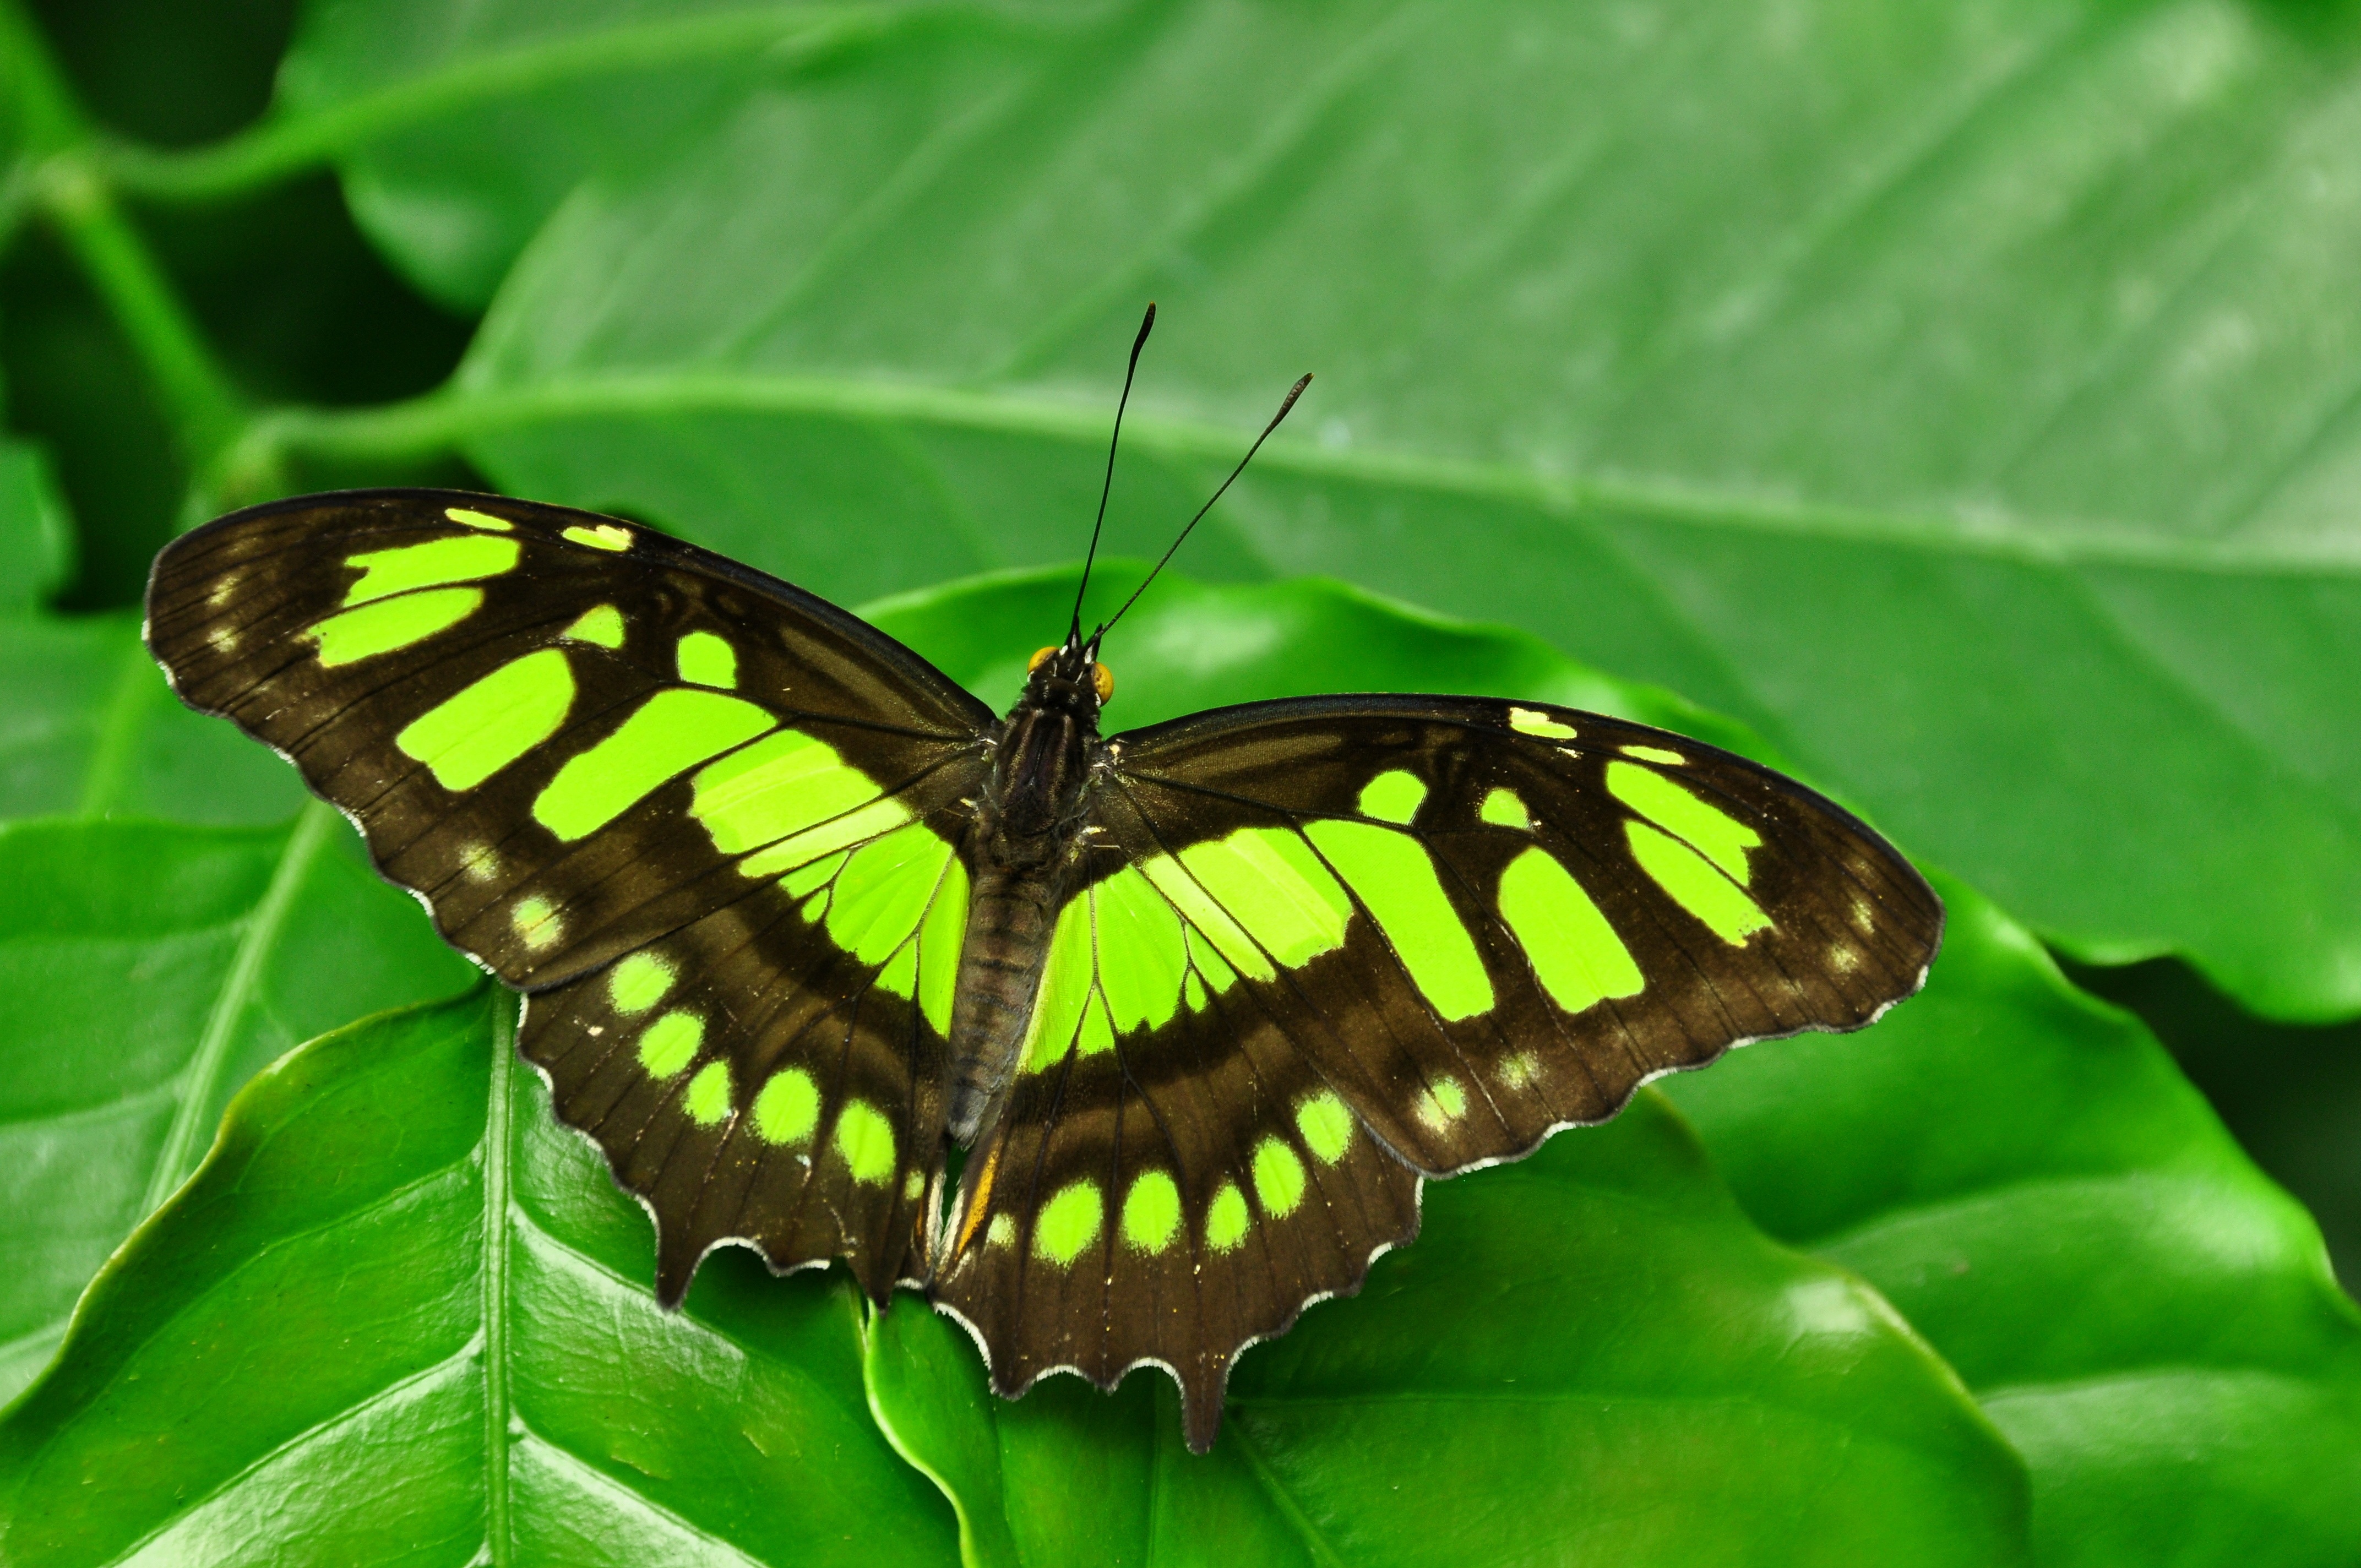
(1171, 1204)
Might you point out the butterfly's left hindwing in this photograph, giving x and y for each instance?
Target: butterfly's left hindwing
(712, 824)
(1328, 946)
(753, 1079)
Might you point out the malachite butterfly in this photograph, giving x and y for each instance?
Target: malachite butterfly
(797, 920)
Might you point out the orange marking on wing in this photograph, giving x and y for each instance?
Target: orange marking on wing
(981, 1205)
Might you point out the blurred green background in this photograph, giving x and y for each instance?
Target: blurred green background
(1963, 400)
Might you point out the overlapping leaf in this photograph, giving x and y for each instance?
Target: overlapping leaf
(2021, 1170)
(1580, 1359)
(459, 127)
(1964, 399)
(1967, 401)
(398, 1317)
(2017, 1167)
(150, 971)
(87, 725)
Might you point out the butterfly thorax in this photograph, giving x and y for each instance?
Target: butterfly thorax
(1027, 838)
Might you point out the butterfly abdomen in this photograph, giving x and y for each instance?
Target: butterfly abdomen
(1029, 826)
(1010, 918)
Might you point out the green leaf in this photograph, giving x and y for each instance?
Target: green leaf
(89, 728)
(2017, 1167)
(408, 1307)
(2020, 1169)
(1585, 1356)
(1963, 399)
(1857, 1409)
(35, 536)
(1190, 646)
(459, 127)
(150, 971)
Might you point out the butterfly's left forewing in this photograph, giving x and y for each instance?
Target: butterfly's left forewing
(712, 825)
(1334, 945)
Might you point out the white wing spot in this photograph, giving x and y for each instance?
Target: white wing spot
(1442, 1104)
(1862, 912)
(224, 639)
(1843, 959)
(482, 862)
(536, 923)
(1520, 1070)
(223, 591)
(1000, 1232)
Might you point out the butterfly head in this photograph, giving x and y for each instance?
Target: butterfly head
(1061, 676)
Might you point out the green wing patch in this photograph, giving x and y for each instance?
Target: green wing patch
(1547, 906)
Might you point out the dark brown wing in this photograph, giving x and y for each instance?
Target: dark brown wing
(700, 814)
(1340, 942)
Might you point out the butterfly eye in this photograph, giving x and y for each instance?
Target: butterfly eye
(1103, 680)
(1037, 660)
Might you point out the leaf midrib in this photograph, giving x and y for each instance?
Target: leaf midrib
(1284, 1501)
(498, 1149)
(448, 420)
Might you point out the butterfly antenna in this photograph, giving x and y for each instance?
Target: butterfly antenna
(1147, 323)
(1285, 404)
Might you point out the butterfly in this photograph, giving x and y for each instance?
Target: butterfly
(1123, 1049)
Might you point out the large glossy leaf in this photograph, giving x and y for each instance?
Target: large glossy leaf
(2021, 1170)
(1964, 396)
(150, 971)
(398, 1317)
